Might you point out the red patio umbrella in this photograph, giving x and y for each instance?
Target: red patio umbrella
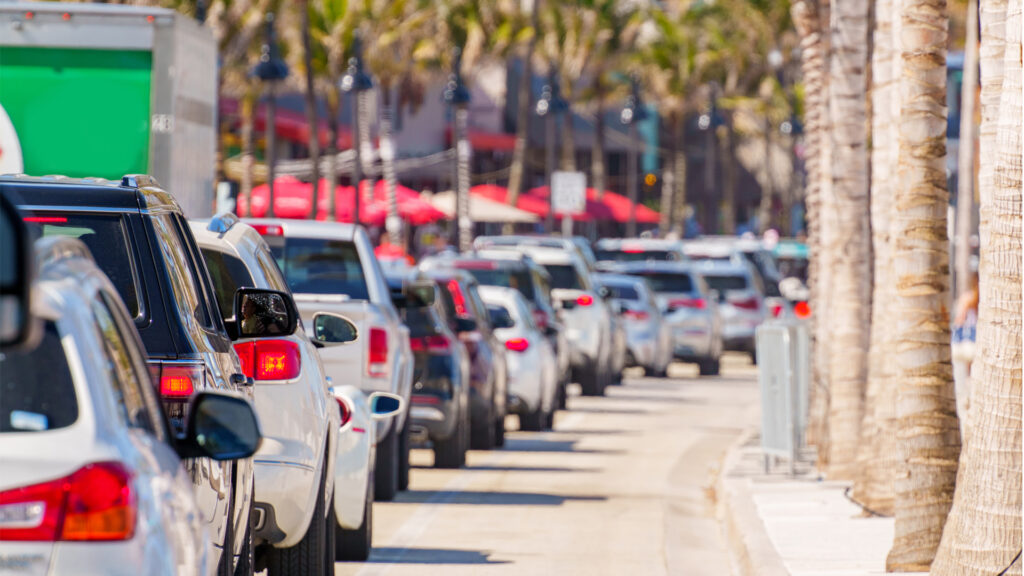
(527, 202)
(620, 205)
(291, 199)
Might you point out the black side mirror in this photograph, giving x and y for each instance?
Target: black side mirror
(332, 330)
(17, 326)
(221, 427)
(465, 324)
(500, 317)
(263, 313)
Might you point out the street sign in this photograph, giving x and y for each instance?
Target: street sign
(569, 192)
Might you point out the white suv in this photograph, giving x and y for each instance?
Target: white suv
(293, 512)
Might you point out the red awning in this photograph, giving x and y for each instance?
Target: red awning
(527, 202)
(595, 209)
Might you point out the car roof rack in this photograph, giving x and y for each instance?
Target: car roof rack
(139, 181)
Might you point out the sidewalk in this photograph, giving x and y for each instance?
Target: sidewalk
(778, 525)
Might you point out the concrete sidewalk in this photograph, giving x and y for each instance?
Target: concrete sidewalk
(778, 525)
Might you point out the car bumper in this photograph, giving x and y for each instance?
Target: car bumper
(525, 390)
(435, 416)
(643, 348)
(290, 488)
(692, 340)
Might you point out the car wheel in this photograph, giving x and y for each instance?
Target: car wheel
(710, 367)
(753, 356)
(549, 420)
(451, 453)
(386, 469)
(482, 437)
(532, 421)
(403, 458)
(499, 432)
(653, 372)
(331, 539)
(306, 557)
(247, 560)
(591, 382)
(563, 396)
(355, 545)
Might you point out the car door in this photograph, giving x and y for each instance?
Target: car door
(164, 490)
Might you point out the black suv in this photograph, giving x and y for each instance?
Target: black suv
(141, 240)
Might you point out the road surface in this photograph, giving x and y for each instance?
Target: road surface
(623, 486)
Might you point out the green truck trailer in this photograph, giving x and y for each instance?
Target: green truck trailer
(104, 91)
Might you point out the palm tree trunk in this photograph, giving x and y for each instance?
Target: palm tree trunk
(679, 166)
(387, 162)
(983, 531)
(568, 142)
(727, 140)
(311, 119)
(928, 431)
(516, 174)
(333, 128)
(597, 159)
(877, 458)
(768, 186)
(668, 183)
(849, 310)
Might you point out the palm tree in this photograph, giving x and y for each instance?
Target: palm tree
(928, 431)
(310, 96)
(983, 532)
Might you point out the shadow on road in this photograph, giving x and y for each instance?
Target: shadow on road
(529, 444)
(490, 498)
(430, 556)
(596, 410)
(657, 399)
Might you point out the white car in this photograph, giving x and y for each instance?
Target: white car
(294, 480)
(647, 333)
(331, 268)
(531, 360)
(92, 478)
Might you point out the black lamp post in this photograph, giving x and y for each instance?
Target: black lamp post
(550, 106)
(355, 82)
(271, 69)
(632, 113)
(457, 96)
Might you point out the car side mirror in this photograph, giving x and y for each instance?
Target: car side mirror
(332, 330)
(384, 405)
(220, 427)
(263, 313)
(500, 317)
(17, 325)
(465, 325)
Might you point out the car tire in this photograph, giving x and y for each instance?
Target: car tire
(306, 557)
(451, 453)
(403, 458)
(386, 469)
(331, 539)
(482, 437)
(247, 559)
(499, 432)
(533, 421)
(227, 556)
(655, 372)
(753, 356)
(356, 545)
(710, 367)
(563, 396)
(591, 382)
(549, 420)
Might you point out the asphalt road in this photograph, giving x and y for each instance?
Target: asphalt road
(623, 486)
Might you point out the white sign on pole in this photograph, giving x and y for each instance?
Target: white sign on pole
(569, 192)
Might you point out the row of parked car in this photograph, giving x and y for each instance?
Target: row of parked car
(232, 395)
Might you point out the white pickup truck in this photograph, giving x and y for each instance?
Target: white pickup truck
(331, 269)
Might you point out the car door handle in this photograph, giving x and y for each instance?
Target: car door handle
(241, 380)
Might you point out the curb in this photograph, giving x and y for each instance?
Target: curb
(752, 551)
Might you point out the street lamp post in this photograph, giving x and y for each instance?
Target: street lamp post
(632, 113)
(355, 82)
(457, 96)
(549, 106)
(271, 69)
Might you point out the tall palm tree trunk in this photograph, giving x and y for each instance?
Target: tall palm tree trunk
(310, 97)
(849, 307)
(516, 175)
(668, 183)
(877, 457)
(597, 155)
(727, 141)
(983, 531)
(393, 225)
(247, 111)
(928, 431)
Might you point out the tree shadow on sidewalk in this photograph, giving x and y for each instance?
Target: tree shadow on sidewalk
(384, 555)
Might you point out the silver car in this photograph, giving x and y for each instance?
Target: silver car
(741, 300)
(610, 251)
(648, 338)
(690, 308)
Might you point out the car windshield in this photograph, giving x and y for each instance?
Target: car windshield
(725, 282)
(623, 292)
(33, 399)
(507, 278)
(322, 266)
(564, 276)
(228, 274)
(669, 281)
(106, 238)
(635, 255)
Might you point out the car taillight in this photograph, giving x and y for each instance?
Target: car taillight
(377, 360)
(635, 314)
(517, 344)
(776, 310)
(268, 229)
(178, 381)
(344, 410)
(695, 303)
(46, 219)
(585, 300)
(94, 503)
(270, 359)
(425, 399)
(435, 344)
(745, 303)
(457, 297)
(802, 309)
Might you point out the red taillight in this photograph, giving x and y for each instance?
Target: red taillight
(425, 399)
(94, 503)
(436, 344)
(745, 303)
(180, 381)
(247, 357)
(776, 310)
(457, 297)
(46, 219)
(270, 359)
(635, 314)
(695, 303)
(585, 300)
(633, 250)
(344, 410)
(66, 16)
(30, 15)
(377, 361)
(517, 344)
(268, 229)
(802, 309)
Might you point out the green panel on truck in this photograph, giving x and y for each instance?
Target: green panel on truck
(78, 112)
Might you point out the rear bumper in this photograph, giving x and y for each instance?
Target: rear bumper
(692, 340)
(643, 349)
(525, 391)
(438, 419)
(290, 489)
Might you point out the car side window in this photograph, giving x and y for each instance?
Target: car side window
(123, 369)
(271, 272)
(183, 281)
(200, 276)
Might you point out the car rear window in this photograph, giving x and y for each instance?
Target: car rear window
(623, 292)
(34, 399)
(669, 281)
(322, 266)
(636, 255)
(724, 282)
(507, 278)
(564, 276)
(107, 239)
(228, 274)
